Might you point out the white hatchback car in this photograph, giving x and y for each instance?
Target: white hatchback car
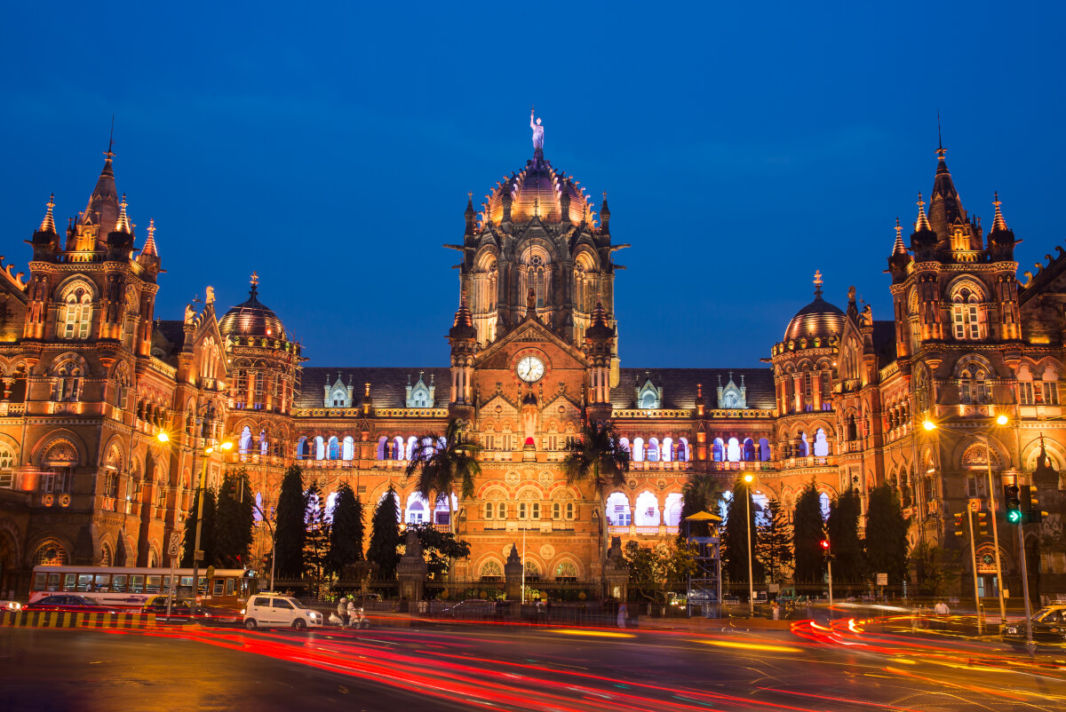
(271, 610)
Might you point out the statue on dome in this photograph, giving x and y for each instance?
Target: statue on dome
(538, 132)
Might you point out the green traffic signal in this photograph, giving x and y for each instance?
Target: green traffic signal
(1014, 505)
(1014, 516)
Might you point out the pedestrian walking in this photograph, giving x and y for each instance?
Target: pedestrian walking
(775, 610)
(623, 613)
(342, 610)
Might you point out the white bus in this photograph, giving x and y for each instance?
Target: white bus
(131, 587)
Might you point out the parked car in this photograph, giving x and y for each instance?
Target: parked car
(13, 606)
(1049, 626)
(184, 609)
(68, 603)
(266, 610)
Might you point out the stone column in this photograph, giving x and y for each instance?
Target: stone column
(411, 570)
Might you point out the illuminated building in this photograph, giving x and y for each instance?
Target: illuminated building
(90, 377)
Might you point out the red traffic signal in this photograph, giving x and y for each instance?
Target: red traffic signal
(824, 543)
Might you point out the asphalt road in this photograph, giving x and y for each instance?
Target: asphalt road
(502, 667)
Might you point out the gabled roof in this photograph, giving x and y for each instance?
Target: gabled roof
(680, 385)
(388, 386)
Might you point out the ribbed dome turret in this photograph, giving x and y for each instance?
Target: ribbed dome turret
(817, 319)
(252, 318)
(537, 191)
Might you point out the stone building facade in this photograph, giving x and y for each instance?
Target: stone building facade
(91, 376)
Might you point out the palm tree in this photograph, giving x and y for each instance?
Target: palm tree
(598, 457)
(441, 463)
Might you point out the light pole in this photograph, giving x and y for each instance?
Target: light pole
(273, 540)
(1000, 419)
(748, 479)
(973, 557)
(196, 553)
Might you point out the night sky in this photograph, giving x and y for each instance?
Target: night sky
(331, 149)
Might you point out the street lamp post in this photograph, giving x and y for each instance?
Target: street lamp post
(748, 479)
(196, 553)
(273, 541)
(973, 556)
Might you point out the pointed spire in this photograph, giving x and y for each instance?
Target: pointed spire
(817, 284)
(123, 222)
(463, 326)
(149, 244)
(998, 223)
(922, 223)
(49, 222)
(469, 213)
(898, 248)
(605, 214)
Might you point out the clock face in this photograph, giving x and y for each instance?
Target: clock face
(530, 369)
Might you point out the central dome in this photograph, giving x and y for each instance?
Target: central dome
(538, 190)
(817, 319)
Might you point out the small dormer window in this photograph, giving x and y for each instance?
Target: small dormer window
(421, 395)
(649, 397)
(340, 398)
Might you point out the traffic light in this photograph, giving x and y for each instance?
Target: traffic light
(824, 543)
(959, 526)
(1030, 505)
(1014, 504)
(982, 523)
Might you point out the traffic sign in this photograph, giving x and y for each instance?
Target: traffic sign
(174, 547)
(882, 579)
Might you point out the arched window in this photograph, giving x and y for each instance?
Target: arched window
(683, 454)
(618, 514)
(974, 388)
(566, 571)
(491, 571)
(718, 450)
(7, 465)
(244, 443)
(397, 448)
(334, 451)
(67, 379)
(965, 323)
(382, 448)
(672, 510)
(264, 447)
(821, 444)
(257, 510)
(638, 449)
(410, 451)
(764, 449)
(50, 553)
(623, 443)
(320, 448)
(667, 453)
(647, 510)
(749, 450)
(652, 453)
(76, 312)
(348, 449)
(823, 503)
(733, 450)
(803, 447)
(417, 509)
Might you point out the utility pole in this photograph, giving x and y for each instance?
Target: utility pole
(1029, 644)
(973, 556)
(995, 532)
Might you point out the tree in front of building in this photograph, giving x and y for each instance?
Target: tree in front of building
(655, 571)
(774, 549)
(444, 464)
(346, 532)
(740, 519)
(845, 545)
(935, 570)
(290, 526)
(233, 521)
(440, 549)
(597, 457)
(207, 531)
(807, 534)
(886, 535)
(701, 493)
(316, 540)
(385, 537)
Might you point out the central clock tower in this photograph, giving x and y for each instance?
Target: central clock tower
(533, 355)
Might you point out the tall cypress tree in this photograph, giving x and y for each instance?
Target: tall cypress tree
(735, 537)
(775, 542)
(234, 521)
(843, 529)
(290, 527)
(385, 537)
(346, 534)
(316, 540)
(807, 532)
(207, 532)
(886, 535)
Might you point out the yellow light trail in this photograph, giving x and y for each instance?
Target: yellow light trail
(749, 646)
(592, 633)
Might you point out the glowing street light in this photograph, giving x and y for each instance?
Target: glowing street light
(748, 479)
(162, 436)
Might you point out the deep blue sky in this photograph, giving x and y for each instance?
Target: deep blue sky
(331, 148)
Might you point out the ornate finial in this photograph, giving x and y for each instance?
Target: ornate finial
(922, 223)
(111, 140)
(49, 223)
(817, 284)
(998, 223)
(123, 222)
(940, 150)
(149, 244)
(898, 248)
(254, 280)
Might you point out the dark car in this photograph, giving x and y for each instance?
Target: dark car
(68, 603)
(1049, 626)
(184, 610)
